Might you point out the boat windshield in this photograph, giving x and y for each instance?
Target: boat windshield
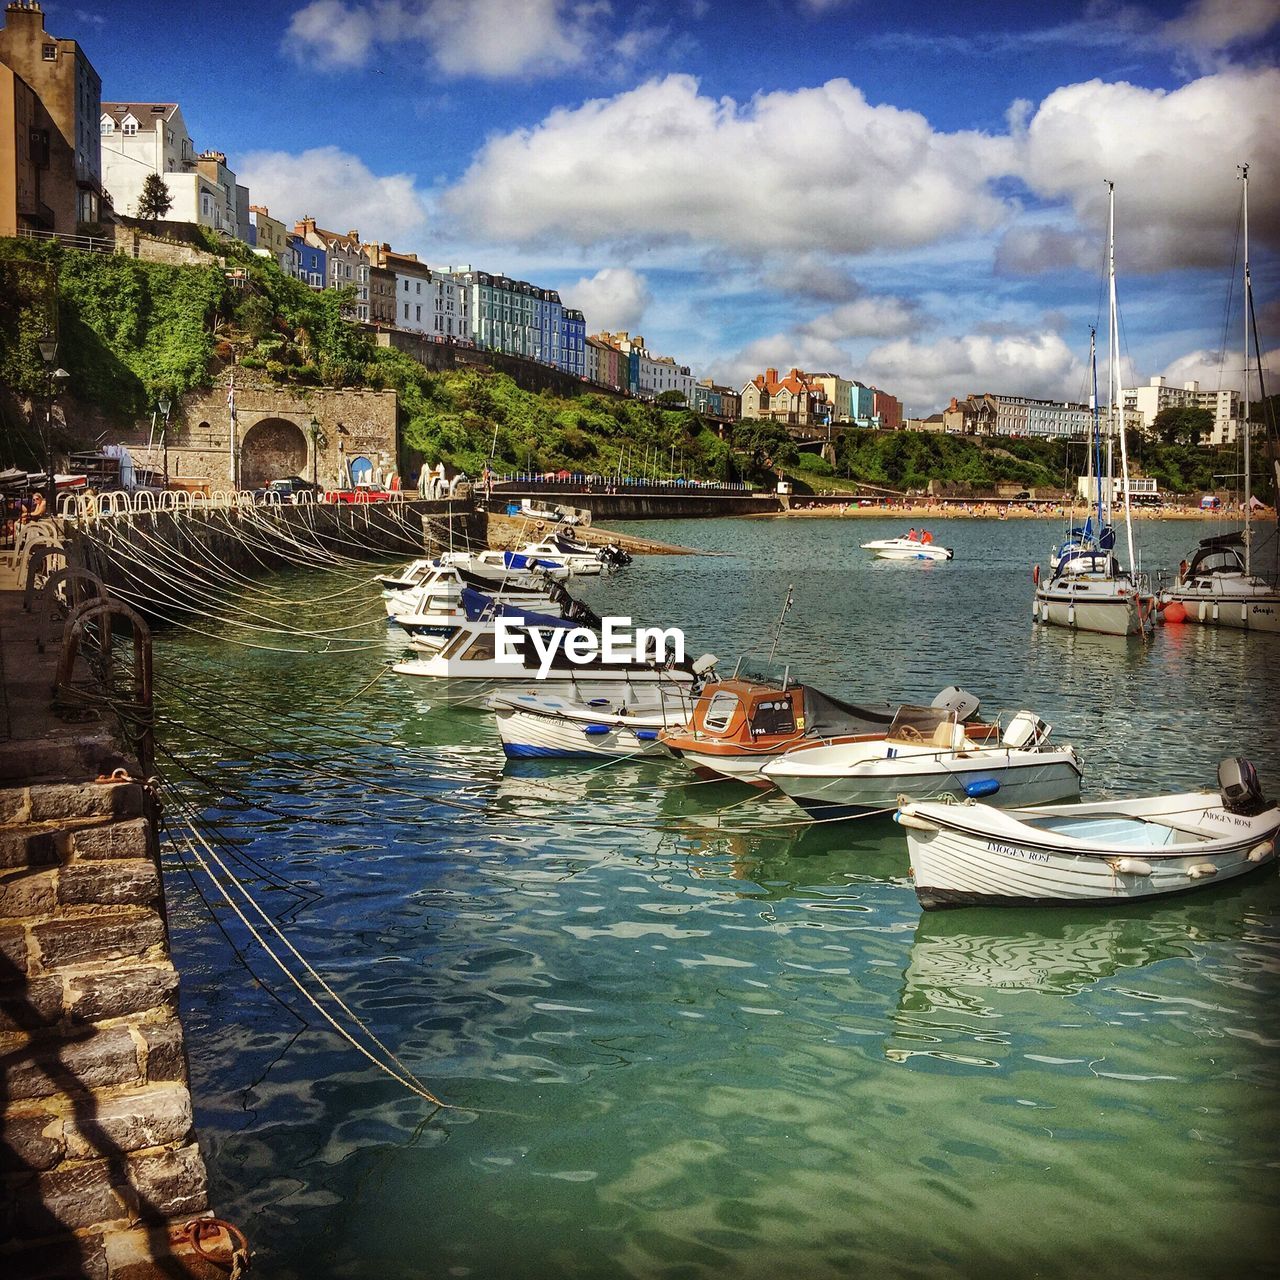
(720, 711)
(911, 724)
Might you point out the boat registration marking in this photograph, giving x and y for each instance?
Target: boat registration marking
(1013, 851)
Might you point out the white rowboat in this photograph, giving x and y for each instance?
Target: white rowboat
(1105, 851)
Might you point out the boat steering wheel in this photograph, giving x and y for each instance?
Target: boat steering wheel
(909, 733)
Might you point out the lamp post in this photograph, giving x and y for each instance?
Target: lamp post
(55, 380)
(317, 442)
(164, 404)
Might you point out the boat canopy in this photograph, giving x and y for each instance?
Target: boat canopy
(828, 717)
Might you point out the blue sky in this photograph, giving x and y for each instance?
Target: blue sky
(909, 195)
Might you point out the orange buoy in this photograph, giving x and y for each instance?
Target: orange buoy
(1175, 612)
(1035, 575)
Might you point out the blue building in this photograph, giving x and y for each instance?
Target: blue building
(312, 267)
(862, 405)
(574, 351)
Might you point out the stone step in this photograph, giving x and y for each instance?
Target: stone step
(58, 758)
(48, 844)
(49, 802)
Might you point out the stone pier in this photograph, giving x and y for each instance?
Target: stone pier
(100, 1172)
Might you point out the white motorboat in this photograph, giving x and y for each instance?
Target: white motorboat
(468, 664)
(1086, 588)
(495, 567)
(908, 548)
(926, 753)
(1104, 851)
(537, 725)
(427, 586)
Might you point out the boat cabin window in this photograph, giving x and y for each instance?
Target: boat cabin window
(720, 711)
(1226, 561)
(773, 715)
(482, 648)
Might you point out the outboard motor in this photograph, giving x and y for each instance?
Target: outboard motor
(1239, 787)
(957, 702)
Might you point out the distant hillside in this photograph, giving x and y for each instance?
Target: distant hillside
(132, 331)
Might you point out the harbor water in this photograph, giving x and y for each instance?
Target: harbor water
(681, 1031)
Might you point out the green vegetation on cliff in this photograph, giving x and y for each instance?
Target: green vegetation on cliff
(132, 331)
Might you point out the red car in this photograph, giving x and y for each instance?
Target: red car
(362, 493)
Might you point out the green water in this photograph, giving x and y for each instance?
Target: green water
(683, 1035)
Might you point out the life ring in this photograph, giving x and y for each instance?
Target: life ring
(1035, 574)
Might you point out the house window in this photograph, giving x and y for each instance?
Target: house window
(49, 52)
(108, 127)
(418, 311)
(129, 128)
(406, 307)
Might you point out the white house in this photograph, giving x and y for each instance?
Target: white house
(141, 138)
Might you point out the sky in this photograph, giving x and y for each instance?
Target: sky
(910, 195)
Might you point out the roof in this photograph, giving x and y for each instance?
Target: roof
(140, 111)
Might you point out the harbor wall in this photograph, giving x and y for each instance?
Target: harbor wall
(663, 505)
(100, 1171)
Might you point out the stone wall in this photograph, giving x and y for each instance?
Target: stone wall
(99, 1167)
(274, 435)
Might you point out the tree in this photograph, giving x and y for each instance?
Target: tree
(1182, 424)
(672, 398)
(155, 200)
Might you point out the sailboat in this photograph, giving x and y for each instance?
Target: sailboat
(1086, 588)
(1218, 586)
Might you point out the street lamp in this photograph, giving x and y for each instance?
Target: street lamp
(164, 404)
(55, 380)
(317, 442)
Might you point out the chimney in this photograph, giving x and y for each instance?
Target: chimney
(354, 235)
(22, 11)
(771, 375)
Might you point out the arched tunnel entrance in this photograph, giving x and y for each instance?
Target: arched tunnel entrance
(272, 449)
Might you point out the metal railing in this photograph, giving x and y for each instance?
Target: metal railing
(90, 244)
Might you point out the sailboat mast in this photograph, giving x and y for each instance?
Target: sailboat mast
(1244, 405)
(1116, 400)
(1095, 447)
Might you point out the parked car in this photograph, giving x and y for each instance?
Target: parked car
(361, 493)
(288, 489)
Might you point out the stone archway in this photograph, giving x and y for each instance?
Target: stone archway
(271, 450)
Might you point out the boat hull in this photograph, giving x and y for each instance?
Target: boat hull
(1110, 615)
(879, 788)
(537, 727)
(960, 861)
(902, 549)
(1241, 613)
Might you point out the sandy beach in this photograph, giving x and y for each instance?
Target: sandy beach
(923, 510)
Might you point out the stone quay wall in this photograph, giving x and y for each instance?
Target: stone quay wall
(100, 1171)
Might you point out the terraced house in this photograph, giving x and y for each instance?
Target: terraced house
(796, 400)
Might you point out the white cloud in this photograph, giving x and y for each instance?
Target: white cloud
(332, 33)
(491, 39)
(1172, 156)
(869, 317)
(1213, 373)
(811, 170)
(1217, 24)
(337, 189)
(614, 298)
(925, 375)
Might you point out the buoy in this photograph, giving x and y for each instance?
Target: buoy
(595, 730)
(1071, 614)
(1035, 575)
(1261, 852)
(1130, 866)
(1215, 611)
(981, 787)
(647, 735)
(1175, 612)
(1201, 870)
